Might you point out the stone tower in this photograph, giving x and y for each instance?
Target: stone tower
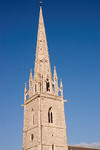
(44, 118)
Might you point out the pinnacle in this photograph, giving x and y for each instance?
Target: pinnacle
(25, 90)
(30, 79)
(55, 74)
(61, 85)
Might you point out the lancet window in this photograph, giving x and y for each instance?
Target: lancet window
(32, 137)
(32, 116)
(52, 146)
(50, 115)
(47, 85)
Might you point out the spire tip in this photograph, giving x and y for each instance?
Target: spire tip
(41, 3)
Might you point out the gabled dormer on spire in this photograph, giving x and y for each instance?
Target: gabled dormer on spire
(42, 70)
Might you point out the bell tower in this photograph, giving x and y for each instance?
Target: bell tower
(44, 119)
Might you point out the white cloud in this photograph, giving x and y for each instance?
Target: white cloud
(94, 145)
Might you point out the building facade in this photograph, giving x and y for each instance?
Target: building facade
(44, 118)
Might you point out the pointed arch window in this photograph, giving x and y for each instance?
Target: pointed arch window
(47, 85)
(50, 115)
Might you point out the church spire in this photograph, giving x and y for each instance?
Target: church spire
(42, 70)
(42, 81)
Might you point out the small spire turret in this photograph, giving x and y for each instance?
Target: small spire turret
(30, 78)
(30, 84)
(25, 89)
(55, 81)
(55, 74)
(61, 87)
(25, 92)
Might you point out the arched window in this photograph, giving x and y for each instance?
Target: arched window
(51, 118)
(50, 115)
(52, 146)
(32, 137)
(47, 85)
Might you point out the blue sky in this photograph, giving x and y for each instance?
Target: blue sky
(73, 35)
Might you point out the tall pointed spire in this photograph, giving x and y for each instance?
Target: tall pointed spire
(42, 63)
(42, 81)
